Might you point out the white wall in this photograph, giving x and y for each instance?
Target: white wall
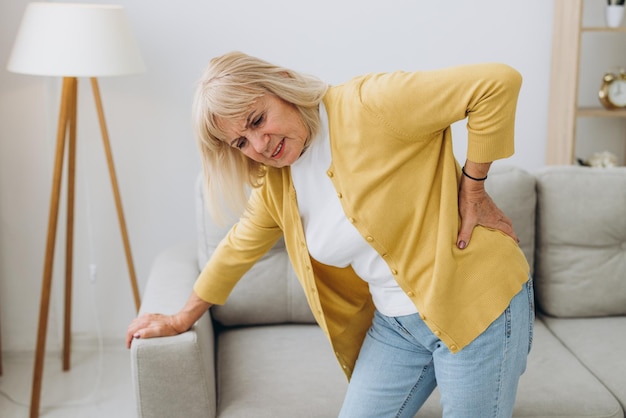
(148, 117)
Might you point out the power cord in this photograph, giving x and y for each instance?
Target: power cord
(99, 371)
(93, 273)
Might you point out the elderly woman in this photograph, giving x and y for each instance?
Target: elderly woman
(409, 267)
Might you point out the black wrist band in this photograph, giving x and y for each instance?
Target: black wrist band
(470, 177)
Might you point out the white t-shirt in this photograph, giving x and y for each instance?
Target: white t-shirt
(330, 237)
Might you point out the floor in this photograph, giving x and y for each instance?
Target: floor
(97, 386)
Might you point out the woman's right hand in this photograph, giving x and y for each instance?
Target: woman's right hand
(151, 325)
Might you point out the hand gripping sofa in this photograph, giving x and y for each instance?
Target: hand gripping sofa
(262, 355)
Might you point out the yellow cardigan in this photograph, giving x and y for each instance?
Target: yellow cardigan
(396, 176)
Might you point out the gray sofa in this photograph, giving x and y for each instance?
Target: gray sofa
(261, 354)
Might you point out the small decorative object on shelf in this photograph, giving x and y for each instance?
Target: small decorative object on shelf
(612, 92)
(602, 159)
(614, 13)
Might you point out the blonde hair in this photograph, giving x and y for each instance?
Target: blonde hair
(226, 90)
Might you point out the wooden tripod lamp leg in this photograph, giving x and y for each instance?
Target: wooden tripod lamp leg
(69, 236)
(67, 98)
(116, 192)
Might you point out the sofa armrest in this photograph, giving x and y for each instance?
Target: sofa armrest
(174, 376)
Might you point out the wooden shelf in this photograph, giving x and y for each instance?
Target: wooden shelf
(600, 112)
(603, 29)
(564, 80)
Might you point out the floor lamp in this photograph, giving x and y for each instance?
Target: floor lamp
(71, 41)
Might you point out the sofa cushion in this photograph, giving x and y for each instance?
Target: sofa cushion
(581, 241)
(605, 360)
(513, 190)
(555, 384)
(269, 293)
(278, 371)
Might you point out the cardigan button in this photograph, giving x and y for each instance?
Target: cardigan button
(370, 238)
(339, 195)
(422, 317)
(410, 294)
(394, 272)
(437, 333)
(453, 347)
(352, 220)
(330, 173)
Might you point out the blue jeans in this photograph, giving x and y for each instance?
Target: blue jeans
(402, 361)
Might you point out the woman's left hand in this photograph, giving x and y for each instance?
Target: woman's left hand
(477, 208)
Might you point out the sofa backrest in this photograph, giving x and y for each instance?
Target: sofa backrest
(270, 292)
(581, 241)
(513, 190)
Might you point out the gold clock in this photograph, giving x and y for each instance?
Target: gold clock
(612, 92)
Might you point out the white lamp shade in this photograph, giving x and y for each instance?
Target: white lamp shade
(75, 40)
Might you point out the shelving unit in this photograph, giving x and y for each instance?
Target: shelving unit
(564, 110)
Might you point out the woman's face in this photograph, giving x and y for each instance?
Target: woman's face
(272, 133)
